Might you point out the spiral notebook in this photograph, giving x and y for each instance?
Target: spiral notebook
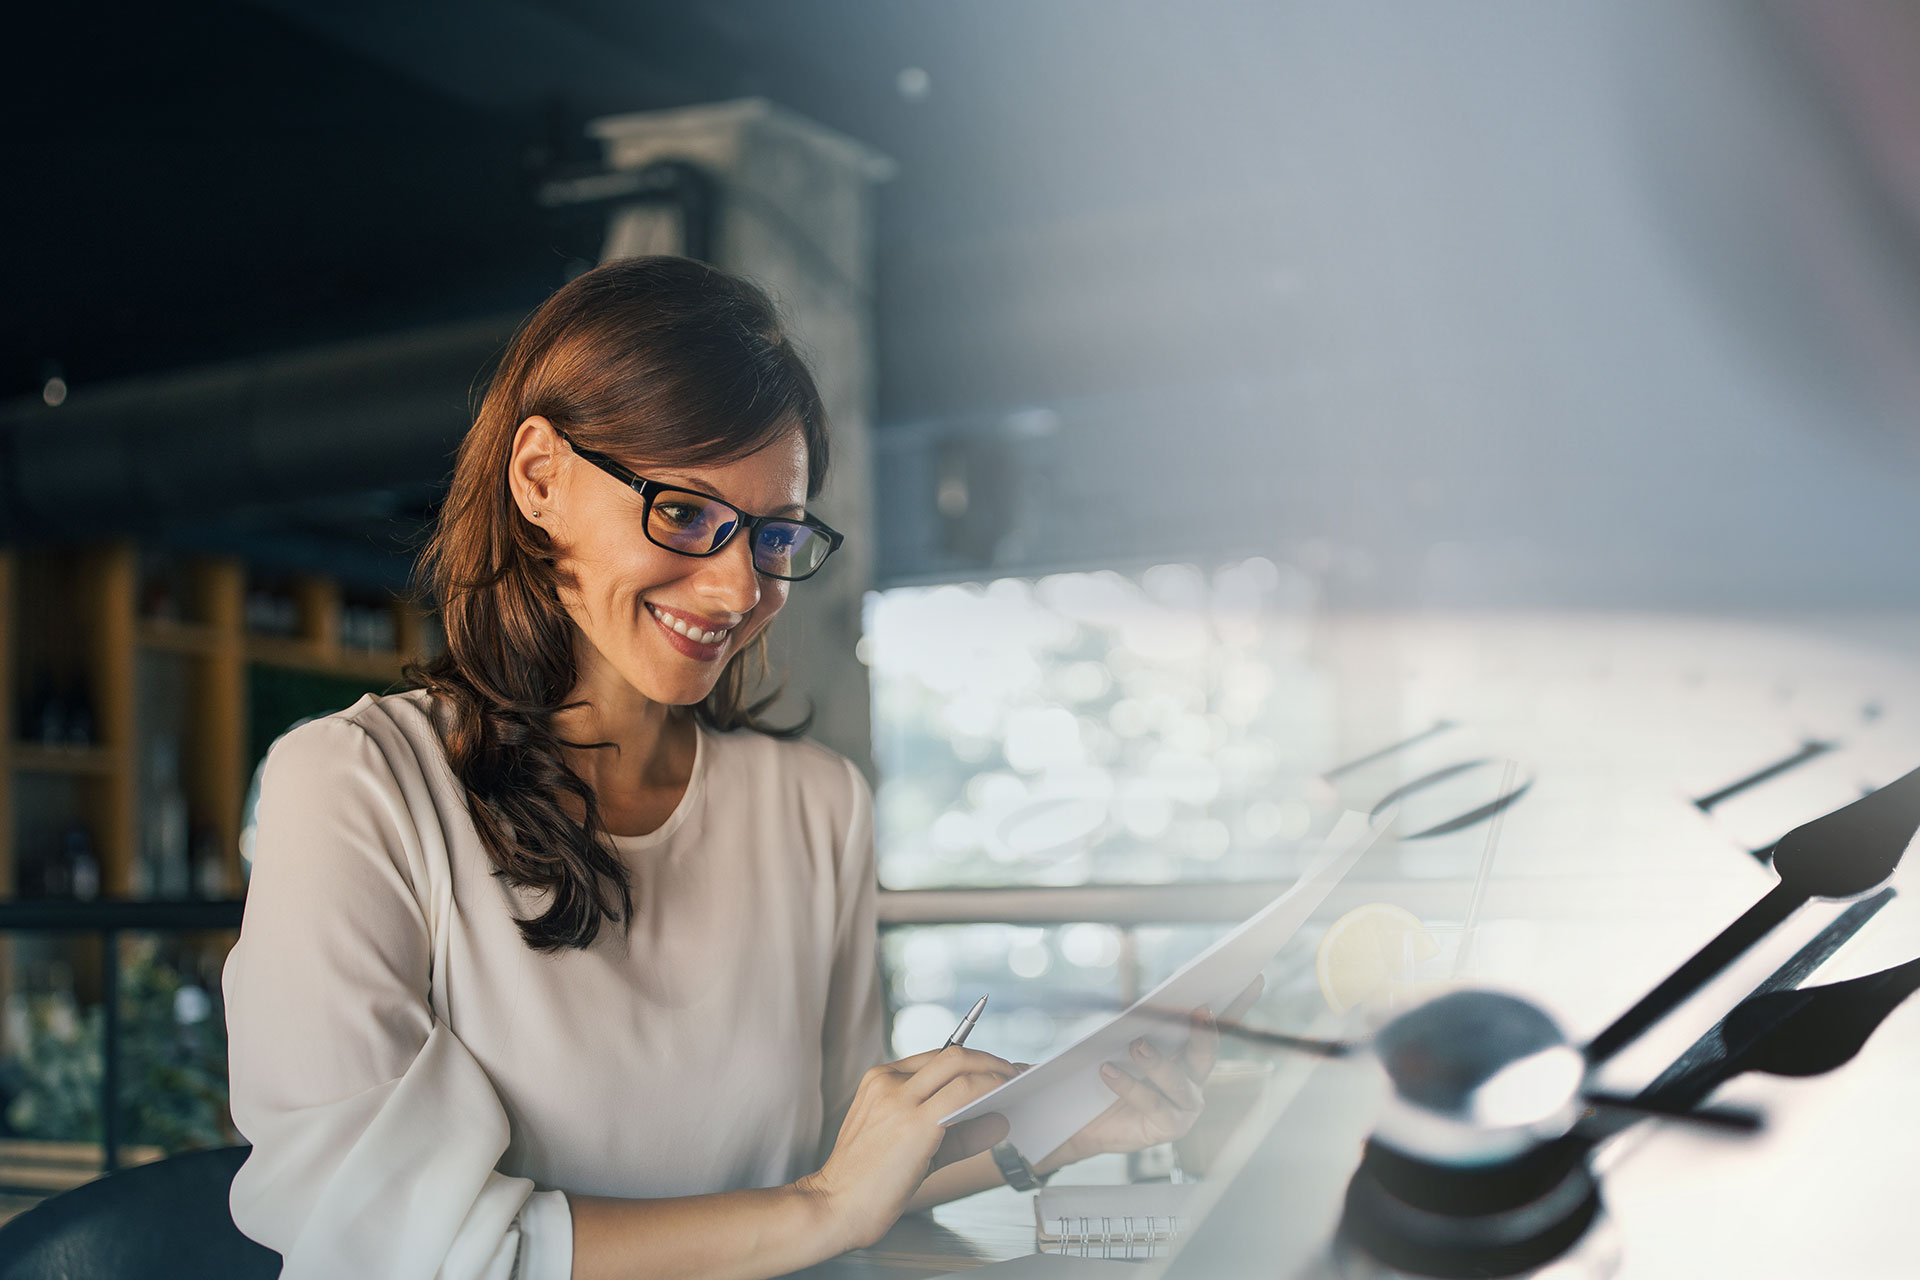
(1139, 1220)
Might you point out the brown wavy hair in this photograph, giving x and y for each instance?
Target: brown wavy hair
(661, 358)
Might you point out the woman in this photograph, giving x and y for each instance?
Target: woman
(564, 962)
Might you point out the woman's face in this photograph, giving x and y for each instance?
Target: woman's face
(626, 593)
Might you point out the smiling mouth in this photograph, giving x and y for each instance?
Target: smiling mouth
(688, 629)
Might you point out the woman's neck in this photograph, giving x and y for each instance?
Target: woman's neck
(638, 779)
(646, 749)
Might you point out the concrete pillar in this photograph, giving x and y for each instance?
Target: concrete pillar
(794, 214)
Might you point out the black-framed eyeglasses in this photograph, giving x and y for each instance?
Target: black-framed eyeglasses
(699, 524)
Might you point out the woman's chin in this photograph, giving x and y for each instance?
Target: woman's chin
(673, 692)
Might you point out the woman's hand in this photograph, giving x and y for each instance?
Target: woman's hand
(892, 1137)
(1161, 1103)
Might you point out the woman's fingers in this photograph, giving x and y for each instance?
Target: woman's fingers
(913, 1062)
(952, 1063)
(969, 1137)
(908, 1065)
(958, 1092)
(1167, 1075)
(1203, 1045)
(1140, 1096)
(1203, 1041)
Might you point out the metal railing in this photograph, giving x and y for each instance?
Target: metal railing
(109, 920)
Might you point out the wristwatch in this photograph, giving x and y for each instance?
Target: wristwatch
(1015, 1169)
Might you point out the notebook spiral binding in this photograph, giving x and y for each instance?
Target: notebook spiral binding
(1096, 1237)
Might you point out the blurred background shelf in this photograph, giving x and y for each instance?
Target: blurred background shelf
(186, 638)
(32, 757)
(304, 655)
(114, 656)
(139, 688)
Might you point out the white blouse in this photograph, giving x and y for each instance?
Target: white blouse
(422, 1090)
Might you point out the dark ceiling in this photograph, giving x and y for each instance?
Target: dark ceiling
(1321, 239)
(208, 182)
(193, 182)
(203, 181)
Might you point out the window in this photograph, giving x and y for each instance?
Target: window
(1072, 731)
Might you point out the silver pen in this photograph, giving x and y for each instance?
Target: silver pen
(965, 1029)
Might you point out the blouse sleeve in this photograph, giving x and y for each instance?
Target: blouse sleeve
(852, 1038)
(375, 1132)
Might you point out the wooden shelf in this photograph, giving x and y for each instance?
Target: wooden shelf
(186, 638)
(309, 655)
(175, 678)
(85, 762)
(76, 610)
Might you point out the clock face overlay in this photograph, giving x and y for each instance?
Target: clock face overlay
(1582, 802)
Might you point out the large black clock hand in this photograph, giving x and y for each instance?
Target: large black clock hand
(1695, 1073)
(1846, 853)
(1784, 1032)
(1812, 1030)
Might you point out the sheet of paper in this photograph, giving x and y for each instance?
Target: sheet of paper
(1051, 1101)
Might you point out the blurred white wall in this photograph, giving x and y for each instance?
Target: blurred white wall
(1576, 303)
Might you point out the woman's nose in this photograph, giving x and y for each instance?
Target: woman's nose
(732, 583)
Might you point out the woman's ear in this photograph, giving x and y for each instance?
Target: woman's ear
(533, 468)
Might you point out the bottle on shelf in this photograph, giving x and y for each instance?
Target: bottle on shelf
(164, 871)
(59, 714)
(66, 870)
(368, 626)
(271, 612)
(30, 874)
(82, 865)
(45, 721)
(209, 868)
(56, 876)
(80, 718)
(45, 870)
(160, 588)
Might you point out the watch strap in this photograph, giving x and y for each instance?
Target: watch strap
(1014, 1167)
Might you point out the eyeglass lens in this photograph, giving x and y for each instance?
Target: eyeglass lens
(694, 524)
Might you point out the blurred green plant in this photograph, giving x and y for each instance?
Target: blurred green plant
(173, 1060)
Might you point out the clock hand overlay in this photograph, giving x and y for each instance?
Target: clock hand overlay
(1812, 1030)
(1782, 1032)
(1848, 852)
(1694, 1074)
(1622, 1110)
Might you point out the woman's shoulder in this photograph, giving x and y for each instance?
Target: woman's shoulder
(798, 787)
(801, 767)
(803, 757)
(399, 727)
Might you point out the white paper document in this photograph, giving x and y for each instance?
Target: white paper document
(1053, 1100)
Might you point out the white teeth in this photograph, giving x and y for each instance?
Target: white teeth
(686, 629)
